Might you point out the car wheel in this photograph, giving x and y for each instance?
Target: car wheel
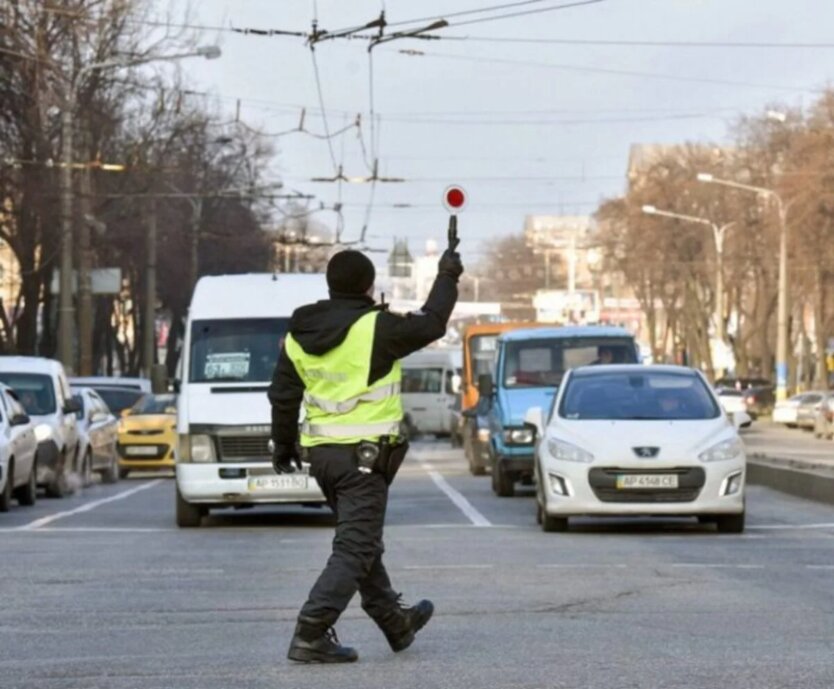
(730, 523)
(189, 515)
(27, 495)
(6, 494)
(552, 524)
(87, 471)
(111, 473)
(58, 487)
(538, 512)
(502, 483)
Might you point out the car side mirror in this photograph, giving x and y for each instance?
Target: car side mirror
(72, 406)
(741, 419)
(19, 420)
(176, 385)
(485, 386)
(534, 420)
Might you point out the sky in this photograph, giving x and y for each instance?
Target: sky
(525, 128)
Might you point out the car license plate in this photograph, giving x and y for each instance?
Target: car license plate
(637, 481)
(268, 483)
(141, 450)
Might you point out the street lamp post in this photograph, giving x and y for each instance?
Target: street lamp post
(782, 305)
(65, 306)
(718, 232)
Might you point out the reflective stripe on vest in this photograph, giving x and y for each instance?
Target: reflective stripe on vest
(374, 395)
(335, 430)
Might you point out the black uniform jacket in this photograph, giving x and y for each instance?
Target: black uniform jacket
(322, 326)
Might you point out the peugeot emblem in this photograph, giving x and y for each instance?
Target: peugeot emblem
(646, 452)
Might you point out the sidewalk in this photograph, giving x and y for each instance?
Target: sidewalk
(790, 460)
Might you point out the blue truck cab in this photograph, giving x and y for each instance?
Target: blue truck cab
(529, 365)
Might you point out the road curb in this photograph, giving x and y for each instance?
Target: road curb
(784, 477)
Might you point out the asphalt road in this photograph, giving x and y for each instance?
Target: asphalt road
(100, 590)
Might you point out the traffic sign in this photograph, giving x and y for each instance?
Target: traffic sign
(454, 198)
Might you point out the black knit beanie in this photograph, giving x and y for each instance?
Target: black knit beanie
(350, 272)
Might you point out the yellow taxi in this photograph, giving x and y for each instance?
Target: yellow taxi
(147, 434)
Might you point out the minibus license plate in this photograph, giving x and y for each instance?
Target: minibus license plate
(638, 481)
(259, 484)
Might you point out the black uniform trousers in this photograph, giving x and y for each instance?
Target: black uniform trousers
(359, 501)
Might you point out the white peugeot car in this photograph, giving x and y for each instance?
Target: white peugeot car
(628, 440)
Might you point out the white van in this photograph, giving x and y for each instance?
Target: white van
(236, 325)
(430, 385)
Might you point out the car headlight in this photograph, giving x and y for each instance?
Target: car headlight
(566, 452)
(43, 432)
(202, 449)
(483, 435)
(519, 436)
(720, 452)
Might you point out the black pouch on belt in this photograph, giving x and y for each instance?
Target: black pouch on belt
(391, 458)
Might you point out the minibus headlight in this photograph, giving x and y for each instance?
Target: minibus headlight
(202, 449)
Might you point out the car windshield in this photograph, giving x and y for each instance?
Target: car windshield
(637, 395)
(117, 400)
(34, 391)
(236, 350)
(155, 404)
(543, 362)
(422, 380)
(481, 354)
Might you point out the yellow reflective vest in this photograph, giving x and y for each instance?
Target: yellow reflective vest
(340, 407)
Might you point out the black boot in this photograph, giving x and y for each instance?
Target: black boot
(401, 624)
(316, 642)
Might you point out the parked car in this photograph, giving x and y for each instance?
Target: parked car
(530, 364)
(147, 434)
(787, 411)
(102, 382)
(42, 388)
(806, 412)
(623, 440)
(759, 394)
(117, 399)
(98, 434)
(732, 401)
(824, 421)
(18, 449)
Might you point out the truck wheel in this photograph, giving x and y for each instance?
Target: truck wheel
(189, 515)
(730, 523)
(475, 467)
(502, 483)
(28, 494)
(6, 494)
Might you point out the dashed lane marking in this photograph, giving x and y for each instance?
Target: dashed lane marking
(788, 527)
(87, 507)
(456, 497)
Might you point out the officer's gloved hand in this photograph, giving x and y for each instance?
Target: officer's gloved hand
(450, 264)
(285, 459)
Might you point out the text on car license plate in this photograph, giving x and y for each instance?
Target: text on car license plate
(626, 481)
(290, 482)
(141, 450)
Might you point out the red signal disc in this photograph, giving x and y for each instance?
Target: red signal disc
(454, 198)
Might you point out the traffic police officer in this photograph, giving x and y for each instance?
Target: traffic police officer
(341, 359)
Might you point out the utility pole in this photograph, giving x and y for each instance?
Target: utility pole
(196, 219)
(65, 308)
(149, 332)
(85, 283)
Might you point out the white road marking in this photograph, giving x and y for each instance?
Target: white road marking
(84, 529)
(581, 566)
(714, 565)
(87, 507)
(787, 527)
(448, 567)
(826, 567)
(457, 498)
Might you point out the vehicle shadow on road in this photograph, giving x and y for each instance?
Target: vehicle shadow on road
(642, 526)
